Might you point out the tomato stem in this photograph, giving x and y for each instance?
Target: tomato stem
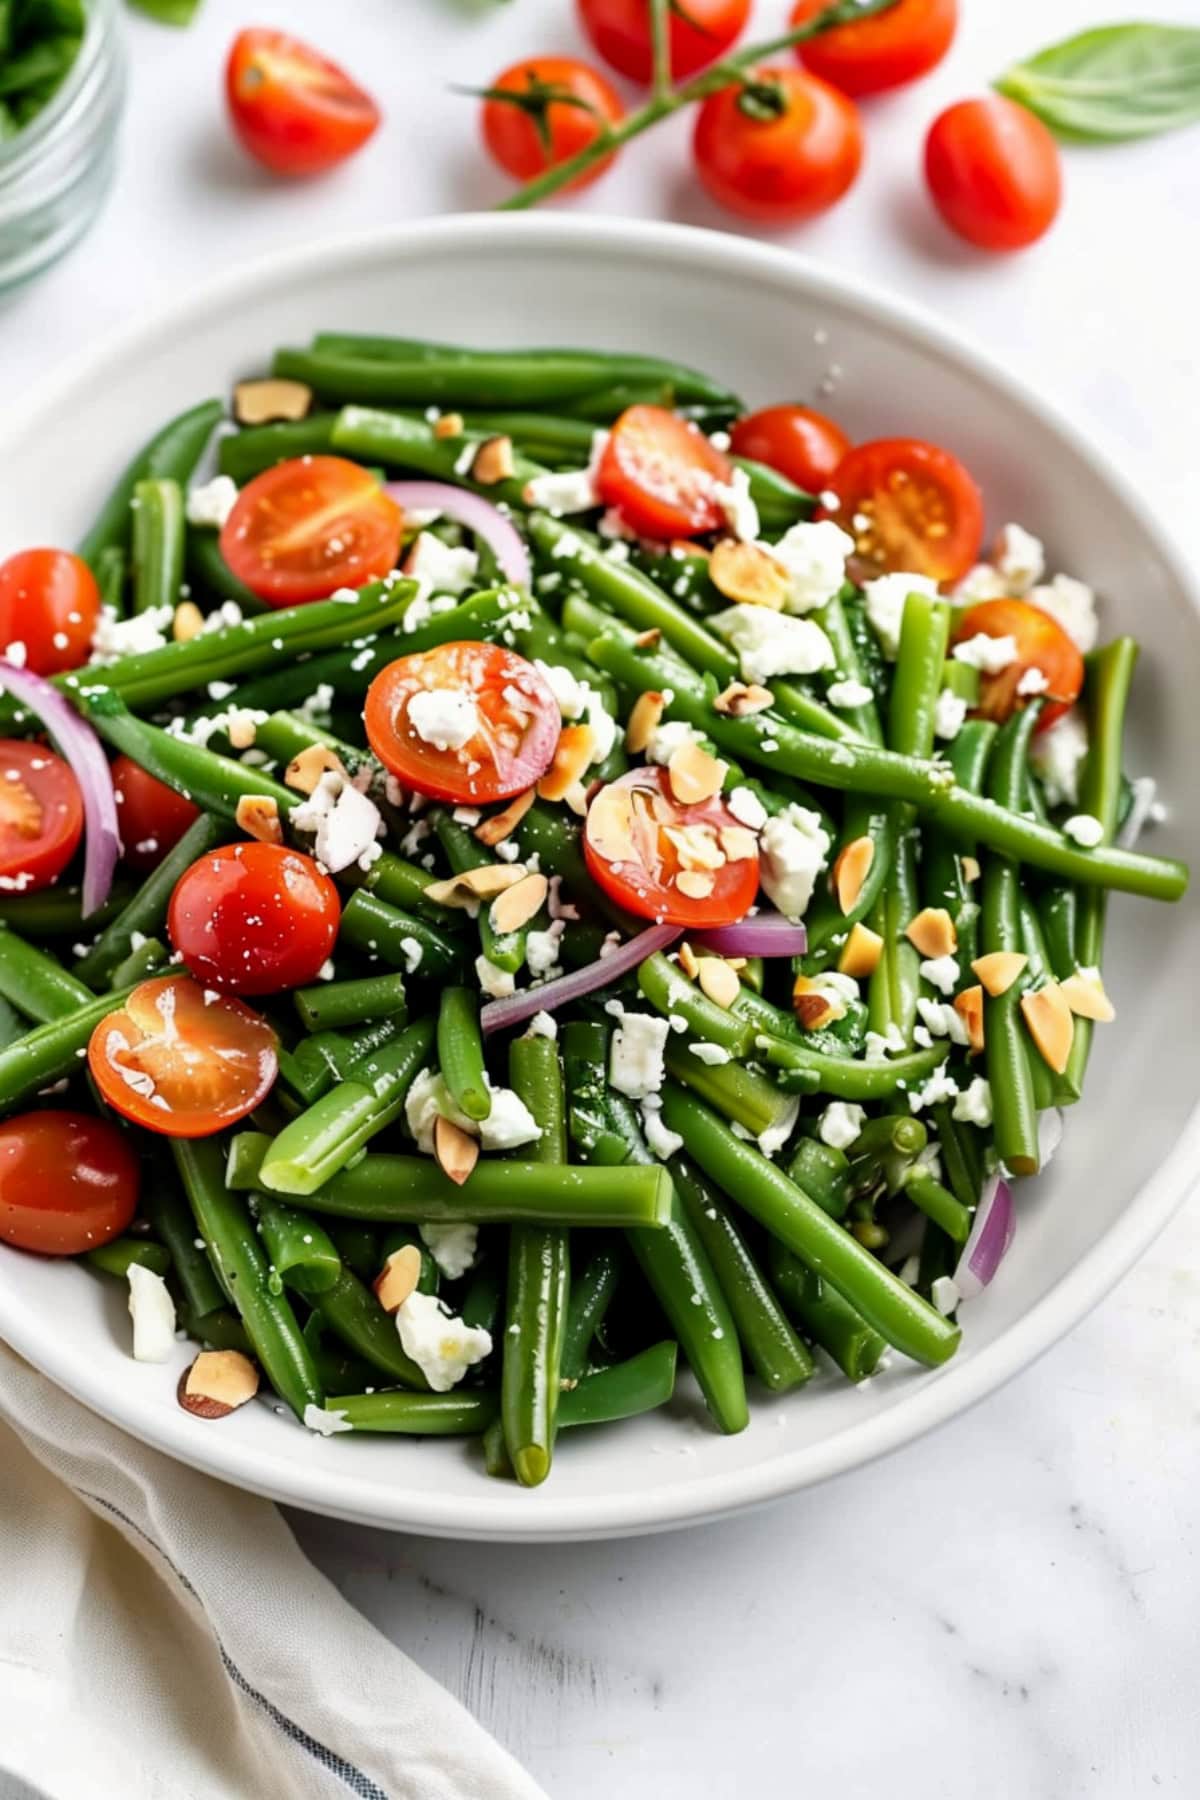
(660, 47)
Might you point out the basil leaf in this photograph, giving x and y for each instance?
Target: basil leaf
(1113, 83)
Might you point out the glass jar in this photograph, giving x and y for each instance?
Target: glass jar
(55, 173)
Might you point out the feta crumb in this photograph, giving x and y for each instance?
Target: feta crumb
(843, 694)
(886, 598)
(794, 848)
(746, 808)
(447, 718)
(153, 1313)
(496, 983)
(324, 1421)
(659, 1138)
(974, 1105)
(770, 643)
(949, 713)
(712, 1055)
(878, 1046)
(412, 951)
(1033, 681)
(777, 1135)
(16, 654)
(841, 1123)
(115, 637)
(669, 737)
(212, 502)
(542, 948)
(814, 556)
(939, 1087)
(1057, 756)
(944, 1294)
(737, 508)
(635, 1064)
(1073, 604)
(452, 1247)
(1085, 829)
(568, 491)
(941, 972)
(507, 1126)
(941, 1020)
(442, 1345)
(345, 823)
(1020, 558)
(983, 582)
(987, 654)
(542, 1024)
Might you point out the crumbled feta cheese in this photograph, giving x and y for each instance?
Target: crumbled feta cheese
(115, 637)
(442, 1345)
(770, 643)
(344, 821)
(542, 1024)
(974, 1105)
(814, 556)
(452, 1247)
(567, 690)
(944, 1294)
(412, 951)
(324, 1422)
(886, 598)
(949, 713)
(941, 1020)
(987, 654)
(542, 948)
(940, 972)
(496, 983)
(578, 699)
(1020, 558)
(447, 718)
(777, 1135)
(1085, 829)
(508, 1125)
(16, 653)
(844, 694)
(1033, 681)
(746, 808)
(841, 1123)
(983, 582)
(635, 1062)
(794, 848)
(153, 1313)
(712, 1055)
(1073, 604)
(737, 508)
(569, 491)
(318, 704)
(662, 1141)
(878, 1046)
(1057, 756)
(212, 502)
(668, 737)
(939, 1087)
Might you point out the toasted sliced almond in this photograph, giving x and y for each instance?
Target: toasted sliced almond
(999, 969)
(456, 1150)
(695, 775)
(933, 932)
(739, 701)
(1051, 1024)
(850, 870)
(970, 869)
(472, 885)
(258, 816)
(689, 962)
(694, 884)
(450, 425)
(500, 825)
(718, 980)
(748, 573)
(860, 952)
(647, 710)
(738, 842)
(576, 799)
(610, 824)
(696, 846)
(572, 758)
(493, 461)
(813, 1005)
(305, 771)
(217, 1383)
(276, 397)
(401, 1272)
(1084, 994)
(519, 903)
(969, 1007)
(187, 623)
(737, 963)
(647, 640)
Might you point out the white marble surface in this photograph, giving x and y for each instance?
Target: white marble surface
(1007, 1610)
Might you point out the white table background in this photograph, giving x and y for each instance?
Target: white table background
(1008, 1610)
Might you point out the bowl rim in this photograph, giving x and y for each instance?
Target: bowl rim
(518, 1517)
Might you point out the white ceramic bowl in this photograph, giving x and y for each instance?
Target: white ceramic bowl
(774, 326)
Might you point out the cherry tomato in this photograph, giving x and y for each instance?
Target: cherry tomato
(182, 1060)
(465, 722)
(869, 55)
(292, 108)
(778, 149)
(801, 444)
(698, 32)
(558, 107)
(152, 816)
(41, 815)
(909, 506)
(635, 844)
(68, 1181)
(994, 172)
(1042, 644)
(309, 526)
(662, 475)
(254, 918)
(49, 602)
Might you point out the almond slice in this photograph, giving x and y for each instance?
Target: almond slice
(696, 846)
(1084, 994)
(738, 842)
(576, 799)
(647, 710)
(305, 771)
(749, 574)
(695, 775)
(187, 623)
(450, 425)
(1051, 1024)
(850, 870)
(276, 397)
(860, 952)
(933, 932)
(694, 884)
(739, 701)
(493, 461)
(475, 884)
(813, 1005)
(610, 824)
(494, 830)
(648, 640)
(217, 1383)
(258, 816)
(519, 903)
(969, 1007)
(401, 1272)
(456, 1150)
(970, 869)
(572, 758)
(998, 970)
(689, 962)
(719, 981)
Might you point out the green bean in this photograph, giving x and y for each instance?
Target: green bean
(51, 1051)
(145, 914)
(119, 1255)
(829, 1320)
(390, 437)
(35, 982)
(823, 1173)
(397, 1237)
(961, 679)
(111, 568)
(828, 926)
(246, 453)
(219, 1329)
(353, 1314)
(1059, 910)
(756, 1102)
(670, 992)
(398, 938)
(484, 1296)
(460, 1052)
(173, 452)
(58, 911)
(585, 1065)
(554, 838)
(480, 378)
(158, 538)
(417, 1415)
(639, 1385)
(850, 667)
(286, 735)
(960, 1157)
(790, 1215)
(780, 503)
(171, 1219)
(210, 576)
(845, 1078)
(1006, 1045)
(150, 958)
(506, 950)
(897, 1132)
(940, 1205)
(358, 1247)
(333, 1005)
(606, 404)
(339, 1370)
(592, 1290)
(300, 1252)
(226, 1226)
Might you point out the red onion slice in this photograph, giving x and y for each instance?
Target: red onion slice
(766, 934)
(85, 753)
(476, 513)
(991, 1234)
(499, 1014)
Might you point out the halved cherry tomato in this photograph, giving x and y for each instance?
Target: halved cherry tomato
(555, 107)
(802, 444)
(636, 844)
(308, 526)
(41, 815)
(1042, 644)
(183, 1060)
(254, 918)
(869, 55)
(662, 475)
(291, 107)
(909, 507)
(779, 147)
(698, 32)
(49, 602)
(994, 172)
(152, 816)
(465, 722)
(68, 1181)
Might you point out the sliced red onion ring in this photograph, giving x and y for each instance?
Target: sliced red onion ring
(85, 753)
(991, 1234)
(766, 934)
(499, 1014)
(473, 511)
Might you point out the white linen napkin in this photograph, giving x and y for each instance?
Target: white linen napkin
(162, 1637)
